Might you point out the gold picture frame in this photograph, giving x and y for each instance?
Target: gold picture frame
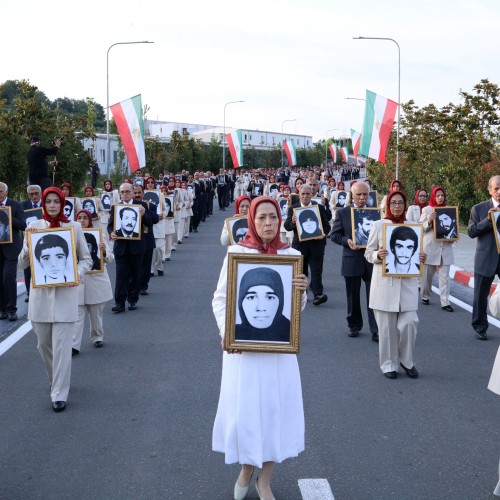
(306, 218)
(446, 224)
(393, 265)
(122, 209)
(170, 203)
(249, 276)
(53, 260)
(91, 200)
(495, 219)
(5, 225)
(237, 228)
(93, 237)
(358, 229)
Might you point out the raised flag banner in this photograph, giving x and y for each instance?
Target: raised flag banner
(377, 126)
(235, 147)
(356, 141)
(345, 154)
(130, 124)
(333, 152)
(291, 152)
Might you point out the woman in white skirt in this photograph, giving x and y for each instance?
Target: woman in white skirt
(260, 416)
(189, 208)
(168, 221)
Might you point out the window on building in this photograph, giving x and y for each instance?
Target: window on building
(308, 142)
(262, 139)
(91, 152)
(250, 137)
(115, 156)
(273, 140)
(184, 130)
(298, 142)
(245, 139)
(103, 155)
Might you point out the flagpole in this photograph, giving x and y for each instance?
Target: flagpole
(108, 153)
(326, 145)
(399, 89)
(282, 123)
(224, 135)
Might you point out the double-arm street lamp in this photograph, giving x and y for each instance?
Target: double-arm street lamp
(399, 89)
(107, 99)
(282, 123)
(224, 135)
(326, 144)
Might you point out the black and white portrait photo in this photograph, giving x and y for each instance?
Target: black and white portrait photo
(90, 204)
(362, 221)
(169, 202)
(341, 199)
(53, 257)
(127, 222)
(33, 214)
(5, 225)
(446, 223)
(273, 189)
(283, 203)
(93, 237)
(372, 201)
(237, 228)
(106, 200)
(308, 223)
(153, 196)
(403, 242)
(69, 207)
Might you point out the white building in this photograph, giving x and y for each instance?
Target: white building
(97, 149)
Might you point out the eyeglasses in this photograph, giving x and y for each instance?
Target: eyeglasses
(397, 203)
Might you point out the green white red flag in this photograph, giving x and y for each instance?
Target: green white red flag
(333, 152)
(344, 153)
(130, 124)
(291, 152)
(235, 147)
(356, 141)
(379, 119)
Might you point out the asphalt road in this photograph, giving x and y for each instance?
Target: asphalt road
(140, 412)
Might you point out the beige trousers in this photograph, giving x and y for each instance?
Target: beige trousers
(54, 345)
(444, 283)
(186, 226)
(397, 332)
(169, 241)
(95, 312)
(176, 237)
(158, 255)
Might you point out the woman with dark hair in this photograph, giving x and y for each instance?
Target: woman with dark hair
(53, 311)
(108, 198)
(260, 416)
(298, 182)
(309, 223)
(242, 206)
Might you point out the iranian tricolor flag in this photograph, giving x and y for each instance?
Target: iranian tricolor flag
(130, 125)
(235, 147)
(344, 153)
(377, 127)
(333, 152)
(356, 141)
(291, 152)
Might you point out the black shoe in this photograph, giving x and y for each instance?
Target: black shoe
(174, 249)
(320, 299)
(195, 230)
(375, 337)
(132, 306)
(391, 375)
(353, 332)
(98, 343)
(151, 275)
(58, 406)
(160, 273)
(167, 259)
(3, 315)
(179, 242)
(27, 299)
(74, 352)
(447, 308)
(144, 292)
(481, 336)
(411, 372)
(118, 308)
(425, 302)
(12, 316)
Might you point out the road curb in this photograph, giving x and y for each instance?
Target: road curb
(465, 277)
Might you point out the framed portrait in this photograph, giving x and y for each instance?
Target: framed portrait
(127, 221)
(323, 187)
(33, 214)
(138, 181)
(153, 196)
(293, 199)
(341, 199)
(372, 201)
(404, 243)
(53, 259)
(446, 224)
(237, 228)
(362, 220)
(317, 200)
(308, 222)
(70, 207)
(495, 219)
(93, 237)
(283, 203)
(5, 225)
(169, 201)
(273, 189)
(263, 309)
(106, 200)
(90, 204)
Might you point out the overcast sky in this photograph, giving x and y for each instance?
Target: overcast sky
(285, 59)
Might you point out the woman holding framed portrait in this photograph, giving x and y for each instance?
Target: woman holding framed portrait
(53, 310)
(394, 300)
(260, 416)
(170, 195)
(242, 206)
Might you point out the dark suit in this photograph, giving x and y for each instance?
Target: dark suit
(129, 255)
(8, 258)
(486, 262)
(354, 269)
(313, 251)
(37, 164)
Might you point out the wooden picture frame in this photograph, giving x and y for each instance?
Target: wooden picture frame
(404, 254)
(293, 199)
(309, 226)
(129, 232)
(169, 202)
(362, 220)
(93, 237)
(446, 224)
(272, 328)
(153, 196)
(237, 228)
(91, 204)
(495, 219)
(33, 214)
(5, 225)
(70, 207)
(53, 260)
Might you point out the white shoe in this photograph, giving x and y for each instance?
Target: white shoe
(258, 492)
(240, 492)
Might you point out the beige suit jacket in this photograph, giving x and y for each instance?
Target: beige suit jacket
(435, 250)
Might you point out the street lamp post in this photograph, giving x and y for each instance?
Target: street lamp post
(282, 123)
(399, 89)
(107, 99)
(224, 135)
(326, 144)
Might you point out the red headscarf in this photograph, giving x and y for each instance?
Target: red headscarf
(252, 239)
(147, 179)
(392, 185)
(69, 186)
(89, 187)
(416, 200)
(432, 201)
(341, 186)
(239, 200)
(171, 179)
(331, 182)
(388, 213)
(60, 217)
(87, 213)
(295, 185)
(111, 185)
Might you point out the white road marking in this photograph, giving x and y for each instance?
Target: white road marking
(315, 489)
(15, 337)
